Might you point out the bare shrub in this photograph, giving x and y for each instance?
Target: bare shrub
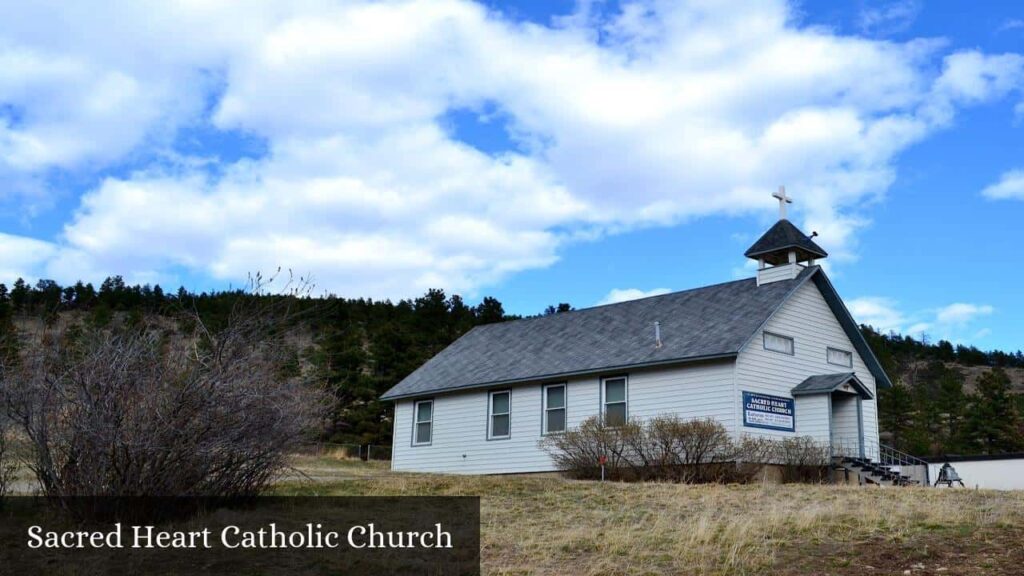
(663, 448)
(639, 455)
(704, 445)
(578, 451)
(750, 455)
(8, 466)
(138, 409)
(803, 460)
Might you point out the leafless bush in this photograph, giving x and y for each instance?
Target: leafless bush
(803, 460)
(750, 454)
(137, 409)
(578, 451)
(663, 448)
(7, 462)
(641, 455)
(704, 445)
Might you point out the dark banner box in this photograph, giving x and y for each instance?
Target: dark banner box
(354, 536)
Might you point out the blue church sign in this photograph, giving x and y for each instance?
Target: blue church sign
(769, 412)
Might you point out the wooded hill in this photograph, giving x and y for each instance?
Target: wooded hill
(948, 399)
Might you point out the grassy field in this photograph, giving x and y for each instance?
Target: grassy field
(548, 525)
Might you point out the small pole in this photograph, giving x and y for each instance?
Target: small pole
(368, 446)
(601, 460)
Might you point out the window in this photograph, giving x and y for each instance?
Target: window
(840, 357)
(615, 401)
(776, 343)
(554, 408)
(424, 422)
(500, 408)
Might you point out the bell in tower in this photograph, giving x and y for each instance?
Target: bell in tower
(783, 251)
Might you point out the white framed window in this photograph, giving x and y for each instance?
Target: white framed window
(778, 343)
(499, 407)
(423, 422)
(554, 409)
(614, 393)
(840, 357)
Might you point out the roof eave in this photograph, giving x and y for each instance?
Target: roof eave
(551, 377)
(815, 253)
(863, 390)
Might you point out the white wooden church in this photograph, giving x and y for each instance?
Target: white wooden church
(778, 355)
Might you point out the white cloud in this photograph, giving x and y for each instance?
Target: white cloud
(681, 110)
(889, 17)
(951, 322)
(1009, 187)
(1012, 24)
(881, 313)
(625, 294)
(961, 313)
(20, 257)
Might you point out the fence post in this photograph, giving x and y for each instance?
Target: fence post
(368, 446)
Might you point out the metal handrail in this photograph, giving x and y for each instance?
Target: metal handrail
(875, 451)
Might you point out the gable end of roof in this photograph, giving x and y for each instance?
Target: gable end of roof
(835, 303)
(846, 321)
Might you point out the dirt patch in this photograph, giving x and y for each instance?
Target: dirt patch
(941, 551)
(971, 376)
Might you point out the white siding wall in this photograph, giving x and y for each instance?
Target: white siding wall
(845, 432)
(460, 444)
(777, 273)
(811, 418)
(806, 318)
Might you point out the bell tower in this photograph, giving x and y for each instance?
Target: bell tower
(783, 251)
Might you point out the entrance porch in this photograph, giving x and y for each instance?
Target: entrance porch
(835, 403)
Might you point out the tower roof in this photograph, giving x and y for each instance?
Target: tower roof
(776, 243)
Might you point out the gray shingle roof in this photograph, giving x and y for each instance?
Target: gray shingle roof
(827, 383)
(782, 237)
(703, 323)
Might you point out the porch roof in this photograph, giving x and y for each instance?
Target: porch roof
(828, 383)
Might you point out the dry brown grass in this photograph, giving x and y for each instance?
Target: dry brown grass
(547, 525)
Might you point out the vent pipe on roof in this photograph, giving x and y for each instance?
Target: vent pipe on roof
(657, 334)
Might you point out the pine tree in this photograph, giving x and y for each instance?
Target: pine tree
(489, 311)
(993, 421)
(951, 404)
(20, 295)
(895, 407)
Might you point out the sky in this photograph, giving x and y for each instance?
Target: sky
(536, 151)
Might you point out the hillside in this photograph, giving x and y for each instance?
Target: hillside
(916, 372)
(948, 397)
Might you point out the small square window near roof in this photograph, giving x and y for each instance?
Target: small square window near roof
(778, 343)
(840, 357)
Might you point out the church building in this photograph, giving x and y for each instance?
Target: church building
(775, 355)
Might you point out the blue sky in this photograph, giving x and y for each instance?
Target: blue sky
(540, 152)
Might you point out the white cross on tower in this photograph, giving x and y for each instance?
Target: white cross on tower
(783, 200)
